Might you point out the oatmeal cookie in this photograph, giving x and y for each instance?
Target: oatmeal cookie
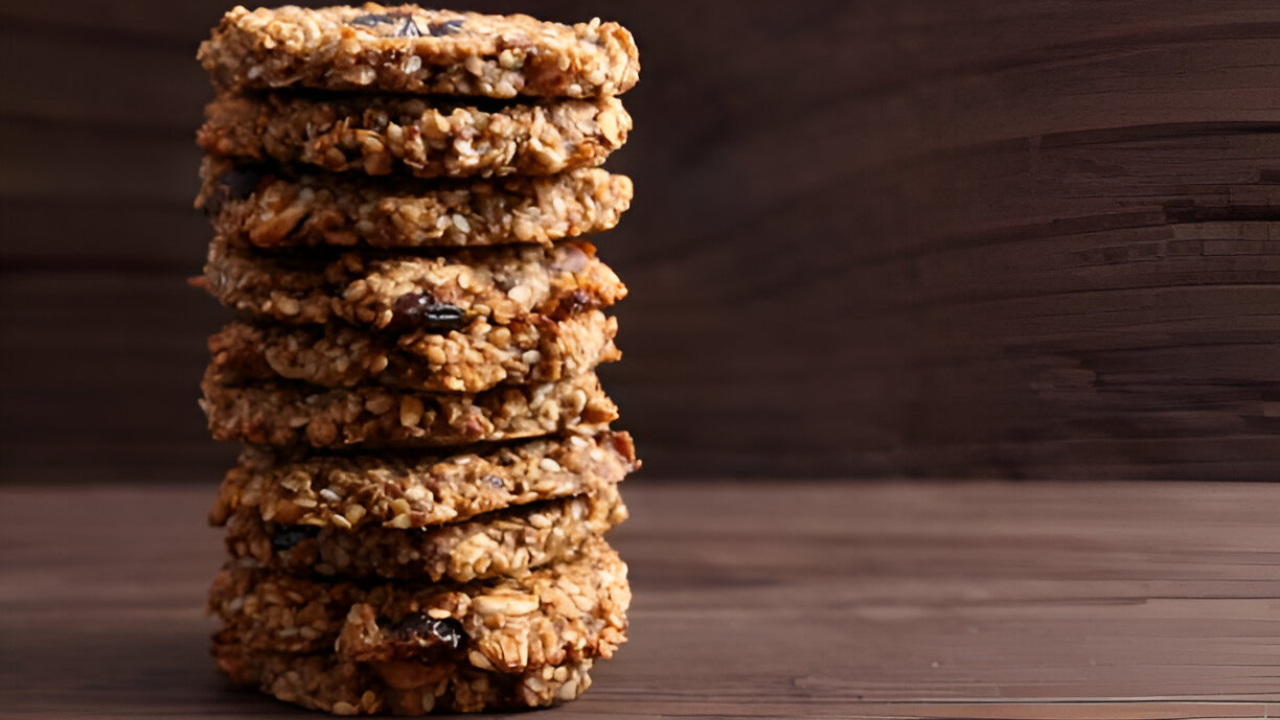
(325, 681)
(427, 138)
(501, 543)
(533, 350)
(565, 612)
(296, 414)
(406, 49)
(261, 206)
(402, 490)
(440, 293)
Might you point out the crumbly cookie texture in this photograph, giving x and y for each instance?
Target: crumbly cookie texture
(405, 293)
(292, 414)
(532, 351)
(506, 542)
(566, 612)
(379, 135)
(412, 490)
(406, 49)
(324, 681)
(255, 205)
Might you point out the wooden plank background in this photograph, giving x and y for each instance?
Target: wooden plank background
(1019, 238)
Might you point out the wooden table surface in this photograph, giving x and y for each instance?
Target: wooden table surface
(774, 599)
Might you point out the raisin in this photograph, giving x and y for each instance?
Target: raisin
(241, 181)
(287, 537)
(448, 27)
(422, 311)
(577, 301)
(435, 631)
(409, 29)
(238, 183)
(373, 20)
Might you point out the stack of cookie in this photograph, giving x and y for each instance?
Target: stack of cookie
(417, 521)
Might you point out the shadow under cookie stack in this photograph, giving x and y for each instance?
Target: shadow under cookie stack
(416, 523)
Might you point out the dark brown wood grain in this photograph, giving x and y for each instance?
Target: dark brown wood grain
(771, 599)
(1021, 238)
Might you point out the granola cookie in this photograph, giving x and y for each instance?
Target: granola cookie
(405, 293)
(325, 681)
(406, 49)
(296, 414)
(412, 490)
(502, 543)
(564, 612)
(256, 205)
(428, 138)
(534, 350)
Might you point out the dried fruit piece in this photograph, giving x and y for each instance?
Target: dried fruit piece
(422, 628)
(372, 20)
(448, 27)
(236, 184)
(409, 29)
(422, 311)
(287, 537)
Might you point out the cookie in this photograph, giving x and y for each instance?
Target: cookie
(324, 681)
(501, 543)
(406, 49)
(535, 350)
(297, 414)
(412, 490)
(381, 135)
(564, 612)
(402, 293)
(255, 205)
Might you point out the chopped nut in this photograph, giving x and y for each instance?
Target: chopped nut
(505, 604)
(411, 410)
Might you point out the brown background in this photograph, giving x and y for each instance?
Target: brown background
(1013, 238)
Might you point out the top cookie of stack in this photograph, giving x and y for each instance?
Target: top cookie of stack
(397, 196)
(407, 49)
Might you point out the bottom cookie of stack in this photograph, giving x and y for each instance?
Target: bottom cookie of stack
(351, 648)
(325, 682)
